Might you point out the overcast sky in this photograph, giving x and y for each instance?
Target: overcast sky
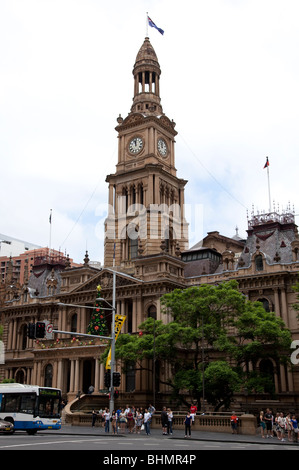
(230, 75)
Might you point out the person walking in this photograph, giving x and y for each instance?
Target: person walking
(187, 422)
(164, 420)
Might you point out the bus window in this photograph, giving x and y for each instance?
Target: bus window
(27, 403)
(11, 403)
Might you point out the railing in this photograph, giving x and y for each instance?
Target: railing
(247, 424)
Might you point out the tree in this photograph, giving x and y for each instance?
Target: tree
(98, 323)
(215, 332)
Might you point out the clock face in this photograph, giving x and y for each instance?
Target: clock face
(136, 145)
(162, 147)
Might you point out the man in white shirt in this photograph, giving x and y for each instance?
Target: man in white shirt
(146, 421)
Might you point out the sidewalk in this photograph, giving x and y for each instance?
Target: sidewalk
(177, 434)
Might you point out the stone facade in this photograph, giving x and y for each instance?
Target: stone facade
(147, 244)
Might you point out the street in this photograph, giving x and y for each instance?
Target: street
(126, 444)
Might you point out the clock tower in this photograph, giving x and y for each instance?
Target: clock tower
(146, 198)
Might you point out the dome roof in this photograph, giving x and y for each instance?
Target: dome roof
(146, 53)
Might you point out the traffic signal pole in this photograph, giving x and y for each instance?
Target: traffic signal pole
(111, 403)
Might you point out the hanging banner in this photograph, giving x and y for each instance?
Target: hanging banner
(119, 321)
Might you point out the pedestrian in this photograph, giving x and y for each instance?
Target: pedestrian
(193, 410)
(234, 423)
(131, 421)
(288, 426)
(139, 420)
(122, 421)
(281, 427)
(93, 418)
(147, 421)
(295, 429)
(151, 409)
(113, 419)
(170, 419)
(262, 424)
(187, 422)
(164, 420)
(269, 422)
(107, 419)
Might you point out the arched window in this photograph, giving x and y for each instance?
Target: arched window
(152, 312)
(259, 264)
(265, 303)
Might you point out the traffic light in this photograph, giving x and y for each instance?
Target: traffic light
(116, 379)
(107, 379)
(116, 394)
(31, 330)
(40, 329)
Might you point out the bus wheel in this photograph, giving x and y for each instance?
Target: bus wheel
(31, 432)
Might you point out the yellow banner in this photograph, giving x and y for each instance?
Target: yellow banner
(119, 321)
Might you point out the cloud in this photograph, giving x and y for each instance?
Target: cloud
(229, 80)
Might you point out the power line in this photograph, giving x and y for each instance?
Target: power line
(210, 174)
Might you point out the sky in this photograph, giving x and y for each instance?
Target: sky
(230, 74)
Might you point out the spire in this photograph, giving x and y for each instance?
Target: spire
(146, 74)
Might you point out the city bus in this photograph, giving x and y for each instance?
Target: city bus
(30, 407)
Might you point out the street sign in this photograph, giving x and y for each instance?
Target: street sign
(49, 330)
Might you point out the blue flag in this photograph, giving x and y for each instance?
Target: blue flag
(153, 25)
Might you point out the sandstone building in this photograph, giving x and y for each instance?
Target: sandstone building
(147, 244)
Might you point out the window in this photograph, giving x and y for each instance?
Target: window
(48, 375)
(152, 312)
(265, 303)
(259, 264)
(74, 321)
(130, 377)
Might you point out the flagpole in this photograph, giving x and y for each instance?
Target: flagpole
(50, 220)
(146, 26)
(269, 189)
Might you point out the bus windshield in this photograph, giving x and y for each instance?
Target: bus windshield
(48, 403)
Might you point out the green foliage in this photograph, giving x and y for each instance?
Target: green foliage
(214, 324)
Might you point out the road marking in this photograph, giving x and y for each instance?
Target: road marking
(50, 443)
